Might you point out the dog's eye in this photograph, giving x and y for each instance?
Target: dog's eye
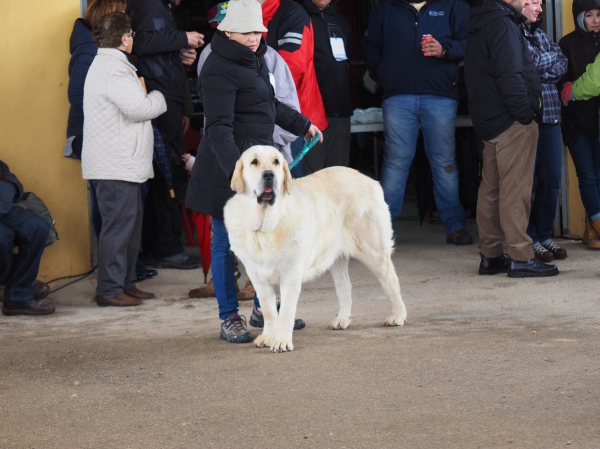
(254, 162)
(276, 162)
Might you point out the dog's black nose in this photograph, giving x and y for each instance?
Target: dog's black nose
(268, 175)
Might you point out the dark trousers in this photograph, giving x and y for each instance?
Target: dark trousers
(28, 232)
(335, 149)
(120, 205)
(547, 183)
(163, 215)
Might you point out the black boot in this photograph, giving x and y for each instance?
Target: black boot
(493, 265)
(532, 268)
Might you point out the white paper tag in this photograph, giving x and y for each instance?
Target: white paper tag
(337, 47)
(272, 79)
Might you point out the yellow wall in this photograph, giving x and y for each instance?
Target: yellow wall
(576, 210)
(34, 49)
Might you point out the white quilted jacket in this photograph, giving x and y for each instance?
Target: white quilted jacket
(118, 141)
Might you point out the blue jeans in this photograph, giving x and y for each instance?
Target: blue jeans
(222, 271)
(28, 232)
(402, 115)
(547, 183)
(586, 157)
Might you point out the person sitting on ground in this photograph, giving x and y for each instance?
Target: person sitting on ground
(28, 232)
(118, 143)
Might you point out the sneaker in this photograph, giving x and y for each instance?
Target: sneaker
(257, 320)
(459, 237)
(541, 253)
(233, 329)
(559, 253)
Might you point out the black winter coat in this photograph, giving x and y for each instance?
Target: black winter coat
(579, 117)
(157, 44)
(83, 51)
(241, 110)
(502, 82)
(332, 75)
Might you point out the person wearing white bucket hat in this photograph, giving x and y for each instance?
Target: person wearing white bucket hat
(241, 111)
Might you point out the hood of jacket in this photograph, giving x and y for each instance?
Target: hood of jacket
(580, 6)
(311, 8)
(235, 52)
(491, 10)
(81, 36)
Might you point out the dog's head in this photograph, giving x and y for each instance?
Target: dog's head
(262, 171)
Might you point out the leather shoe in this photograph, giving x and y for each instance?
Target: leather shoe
(459, 237)
(532, 268)
(40, 290)
(181, 261)
(119, 300)
(139, 294)
(12, 308)
(493, 265)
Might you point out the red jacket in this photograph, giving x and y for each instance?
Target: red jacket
(291, 34)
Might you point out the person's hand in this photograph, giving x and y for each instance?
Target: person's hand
(312, 131)
(186, 124)
(185, 157)
(566, 94)
(188, 56)
(431, 47)
(195, 39)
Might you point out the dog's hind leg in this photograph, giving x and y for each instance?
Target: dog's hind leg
(268, 305)
(386, 274)
(343, 290)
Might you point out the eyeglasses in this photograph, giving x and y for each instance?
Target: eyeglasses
(130, 34)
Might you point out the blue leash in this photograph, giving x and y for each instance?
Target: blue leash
(308, 144)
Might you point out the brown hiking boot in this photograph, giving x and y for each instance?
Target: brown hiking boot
(208, 291)
(459, 237)
(247, 293)
(590, 238)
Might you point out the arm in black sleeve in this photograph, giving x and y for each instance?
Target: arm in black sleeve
(507, 66)
(290, 119)
(373, 43)
(152, 33)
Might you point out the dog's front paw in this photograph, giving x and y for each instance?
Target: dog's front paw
(282, 345)
(263, 340)
(340, 323)
(394, 320)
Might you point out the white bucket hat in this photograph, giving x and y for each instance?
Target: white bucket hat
(243, 16)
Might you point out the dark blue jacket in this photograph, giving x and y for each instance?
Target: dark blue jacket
(392, 47)
(11, 189)
(83, 50)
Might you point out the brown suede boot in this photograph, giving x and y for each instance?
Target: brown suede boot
(247, 293)
(208, 291)
(590, 236)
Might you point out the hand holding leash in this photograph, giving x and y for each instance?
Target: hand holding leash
(308, 144)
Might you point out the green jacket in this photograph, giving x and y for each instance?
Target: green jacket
(588, 85)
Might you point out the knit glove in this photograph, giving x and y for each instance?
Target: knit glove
(566, 94)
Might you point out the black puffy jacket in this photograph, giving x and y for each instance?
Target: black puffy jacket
(157, 44)
(581, 48)
(332, 75)
(241, 110)
(502, 82)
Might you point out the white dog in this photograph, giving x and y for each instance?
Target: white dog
(288, 232)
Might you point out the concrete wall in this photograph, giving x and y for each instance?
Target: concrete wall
(34, 49)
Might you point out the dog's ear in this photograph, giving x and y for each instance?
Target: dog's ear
(287, 179)
(237, 179)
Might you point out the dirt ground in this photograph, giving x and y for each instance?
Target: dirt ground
(482, 362)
